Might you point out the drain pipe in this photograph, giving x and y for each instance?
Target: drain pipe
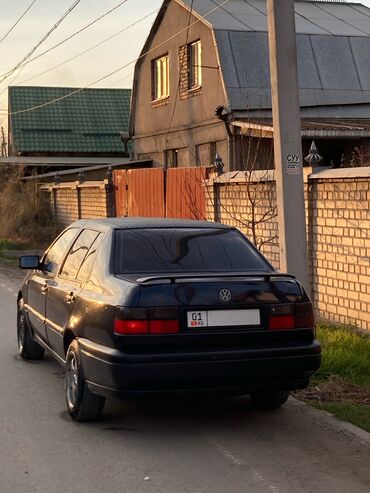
(225, 116)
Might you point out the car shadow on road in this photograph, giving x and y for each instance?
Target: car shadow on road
(175, 414)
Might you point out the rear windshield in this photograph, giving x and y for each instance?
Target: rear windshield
(152, 251)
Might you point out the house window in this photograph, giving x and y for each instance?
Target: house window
(171, 158)
(195, 64)
(160, 78)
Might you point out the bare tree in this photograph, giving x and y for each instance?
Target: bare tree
(360, 157)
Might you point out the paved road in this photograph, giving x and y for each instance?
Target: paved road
(224, 446)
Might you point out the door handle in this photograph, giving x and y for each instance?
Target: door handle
(44, 288)
(70, 297)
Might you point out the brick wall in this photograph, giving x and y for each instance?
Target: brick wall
(65, 205)
(93, 203)
(184, 91)
(340, 247)
(72, 201)
(338, 228)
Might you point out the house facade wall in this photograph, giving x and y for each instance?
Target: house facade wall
(338, 230)
(186, 120)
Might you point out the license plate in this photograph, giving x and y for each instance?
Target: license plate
(224, 318)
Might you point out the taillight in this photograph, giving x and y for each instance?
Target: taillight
(140, 321)
(289, 316)
(282, 322)
(131, 327)
(163, 326)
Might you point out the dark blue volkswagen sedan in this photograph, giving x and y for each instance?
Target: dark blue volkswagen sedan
(141, 306)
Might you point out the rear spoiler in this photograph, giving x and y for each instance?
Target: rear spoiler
(180, 278)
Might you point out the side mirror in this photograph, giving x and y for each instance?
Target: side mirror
(29, 262)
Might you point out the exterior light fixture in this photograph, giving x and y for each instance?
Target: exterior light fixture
(219, 165)
(313, 157)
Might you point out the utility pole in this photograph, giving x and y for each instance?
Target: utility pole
(287, 139)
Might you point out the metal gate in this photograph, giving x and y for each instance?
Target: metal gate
(155, 192)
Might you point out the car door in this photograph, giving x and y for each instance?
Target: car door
(64, 289)
(38, 282)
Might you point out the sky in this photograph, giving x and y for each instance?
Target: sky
(85, 69)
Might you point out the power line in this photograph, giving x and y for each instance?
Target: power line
(12, 81)
(122, 79)
(68, 38)
(32, 108)
(18, 21)
(44, 38)
(88, 49)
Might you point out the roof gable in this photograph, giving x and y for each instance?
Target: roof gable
(87, 122)
(326, 31)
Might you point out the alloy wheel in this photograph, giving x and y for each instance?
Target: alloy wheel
(72, 381)
(21, 332)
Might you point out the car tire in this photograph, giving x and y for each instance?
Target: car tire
(270, 400)
(27, 348)
(82, 405)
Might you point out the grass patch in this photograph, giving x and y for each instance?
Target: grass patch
(342, 385)
(346, 353)
(356, 414)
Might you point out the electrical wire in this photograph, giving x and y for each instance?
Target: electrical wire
(12, 81)
(130, 75)
(43, 39)
(72, 93)
(88, 49)
(68, 38)
(18, 21)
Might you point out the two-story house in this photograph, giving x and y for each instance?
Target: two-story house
(202, 82)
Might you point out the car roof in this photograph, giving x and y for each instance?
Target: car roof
(146, 222)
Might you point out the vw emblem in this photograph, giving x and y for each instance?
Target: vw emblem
(225, 295)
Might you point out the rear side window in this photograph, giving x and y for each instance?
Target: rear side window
(88, 261)
(185, 250)
(78, 253)
(57, 251)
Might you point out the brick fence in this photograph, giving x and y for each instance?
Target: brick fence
(74, 200)
(337, 218)
(338, 228)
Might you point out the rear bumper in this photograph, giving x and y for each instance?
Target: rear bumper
(112, 373)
